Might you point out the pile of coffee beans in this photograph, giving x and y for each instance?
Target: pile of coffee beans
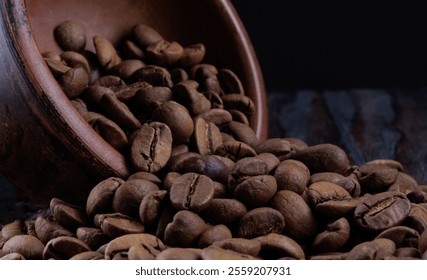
(203, 186)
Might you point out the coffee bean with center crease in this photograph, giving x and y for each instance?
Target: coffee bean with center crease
(235, 150)
(207, 136)
(191, 191)
(151, 147)
(118, 248)
(382, 211)
(260, 221)
(244, 169)
(256, 191)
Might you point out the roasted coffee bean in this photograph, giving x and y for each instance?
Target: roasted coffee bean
(224, 211)
(148, 98)
(179, 75)
(191, 191)
(333, 238)
(142, 252)
(407, 252)
(215, 100)
(276, 146)
(275, 246)
(335, 209)
(363, 251)
(235, 101)
(154, 75)
(185, 162)
(214, 167)
(315, 158)
(230, 82)
(80, 106)
(271, 160)
(145, 35)
(217, 253)
(63, 248)
(47, 229)
(184, 230)
(67, 214)
(214, 234)
(12, 229)
(150, 207)
(192, 55)
(168, 180)
(28, 246)
(382, 211)
(378, 179)
(177, 118)
(219, 117)
(240, 245)
(75, 59)
(126, 68)
(207, 136)
(349, 183)
(164, 53)
(404, 183)
(70, 35)
(118, 248)
(180, 254)
(239, 116)
(417, 218)
(260, 221)
(128, 196)
(402, 236)
(88, 255)
(292, 175)
(166, 216)
(244, 169)
(12, 257)
(256, 191)
(106, 53)
(108, 130)
(242, 132)
(117, 224)
(118, 112)
(93, 237)
(321, 192)
(146, 176)
(200, 72)
(422, 242)
(100, 198)
(74, 81)
(235, 150)
(57, 67)
(301, 224)
(151, 147)
(130, 50)
(386, 248)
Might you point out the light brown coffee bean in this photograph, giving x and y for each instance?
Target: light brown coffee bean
(292, 175)
(150, 207)
(154, 75)
(47, 229)
(402, 236)
(192, 55)
(105, 51)
(242, 132)
(224, 211)
(70, 35)
(217, 253)
(63, 248)
(275, 246)
(334, 237)
(245, 168)
(235, 150)
(116, 224)
(68, 215)
(184, 230)
(126, 68)
(93, 237)
(164, 53)
(180, 254)
(74, 81)
(207, 136)
(277, 146)
(256, 191)
(28, 246)
(88, 255)
(214, 234)
(120, 246)
(100, 198)
(240, 245)
(145, 35)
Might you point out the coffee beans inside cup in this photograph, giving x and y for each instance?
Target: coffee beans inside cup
(203, 186)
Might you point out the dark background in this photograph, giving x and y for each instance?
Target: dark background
(326, 44)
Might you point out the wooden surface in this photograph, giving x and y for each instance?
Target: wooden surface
(368, 123)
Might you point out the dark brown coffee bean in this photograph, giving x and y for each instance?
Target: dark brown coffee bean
(110, 81)
(386, 248)
(191, 191)
(417, 196)
(150, 207)
(117, 224)
(211, 84)
(277, 146)
(148, 98)
(240, 245)
(180, 149)
(217, 253)
(108, 130)
(68, 215)
(80, 106)
(387, 163)
(12, 229)
(126, 68)
(207, 136)
(12, 257)
(151, 147)
(146, 176)
(154, 75)
(178, 75)
(70, 35)
(188, 95)
(74, 81)
(177, 118)
(404, 183)
(243, 133)
(63, 248)
(292, 175)
(244, 169)
(180, 254)
(192, 55)
(142, 252)
(118, 248)
(221, 190)
(28, 246)
(214, 234)
(215, 168)
(184, 230)
(239, 116)
(256, 191)
(118, 112)
(166, 216)
(417, 218)
(219, 117)
(88, 255)
(214, 98)
(105, 51)
(363, 251)
(271, 160)
(168, 180)
(100, 198)
(128, 196)
(93, 237)
(185, 162)
(74, 59)
(402, 236)
(130, 50)
(235, 150)
(235, 101)
(301, 224)
(57, 67)
(275, 246)
(224, 211)
(145, 35)
(407, 252)
(422, 242)
(321, 192)
(377, 179)
(230, 82)
(47, 229)
(335, 209)
(164, 53)
(334, 237)
(260, 221)
(92, 96)
(382, 211)
(348, 183)
(203, 71)
(329, 256)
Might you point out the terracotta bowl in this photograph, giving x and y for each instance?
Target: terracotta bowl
(47, 150)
